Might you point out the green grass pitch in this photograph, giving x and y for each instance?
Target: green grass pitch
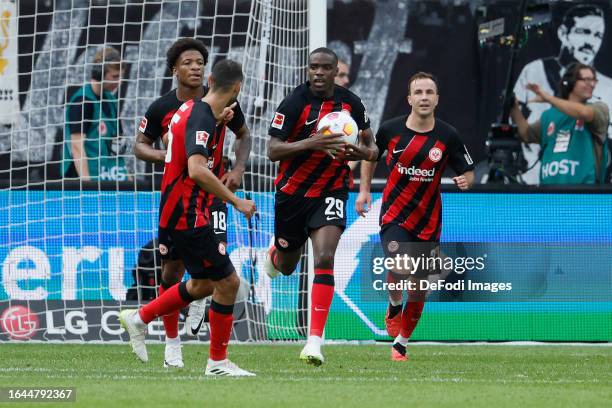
(353, 376)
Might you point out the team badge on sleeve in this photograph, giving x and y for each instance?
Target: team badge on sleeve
(202, 137)
(278, 121)
(143, 125)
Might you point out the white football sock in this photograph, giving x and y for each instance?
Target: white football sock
(315, 340)
(137, 320)
(396, 302)
(173, 341)
(401, 340)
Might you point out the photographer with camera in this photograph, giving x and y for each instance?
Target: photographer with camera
(573, 133)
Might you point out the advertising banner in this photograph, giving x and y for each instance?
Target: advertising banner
(527, 265)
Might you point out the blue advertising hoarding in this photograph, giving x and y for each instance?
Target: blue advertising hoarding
(83, 246)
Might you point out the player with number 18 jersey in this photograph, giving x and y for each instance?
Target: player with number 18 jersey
(189, 185)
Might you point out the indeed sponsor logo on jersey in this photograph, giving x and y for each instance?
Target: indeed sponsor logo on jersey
(560, 167)
(416, 173)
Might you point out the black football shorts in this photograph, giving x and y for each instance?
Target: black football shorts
(218, 219)
(296, 216)
(204, 256)
(396, 241)
(166, 246)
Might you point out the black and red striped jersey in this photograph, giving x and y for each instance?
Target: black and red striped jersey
(193, 130)
(416, 161)
(312, 173)
(156, 120)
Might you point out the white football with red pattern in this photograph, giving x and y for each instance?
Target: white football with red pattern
(340, 122)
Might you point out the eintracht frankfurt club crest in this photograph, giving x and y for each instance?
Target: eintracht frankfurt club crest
(435, 154)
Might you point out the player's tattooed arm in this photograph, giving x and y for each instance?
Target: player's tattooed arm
(330, 144)
(144, 150)
(242, 148)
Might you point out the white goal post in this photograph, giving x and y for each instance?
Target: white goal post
(69, 248)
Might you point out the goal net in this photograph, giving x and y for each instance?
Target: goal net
(73, 252)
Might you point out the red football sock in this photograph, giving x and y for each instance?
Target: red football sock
(410, 317)
(395, 295)
(322, 295)
(170, 320)
(171, 301)
(221, 318)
